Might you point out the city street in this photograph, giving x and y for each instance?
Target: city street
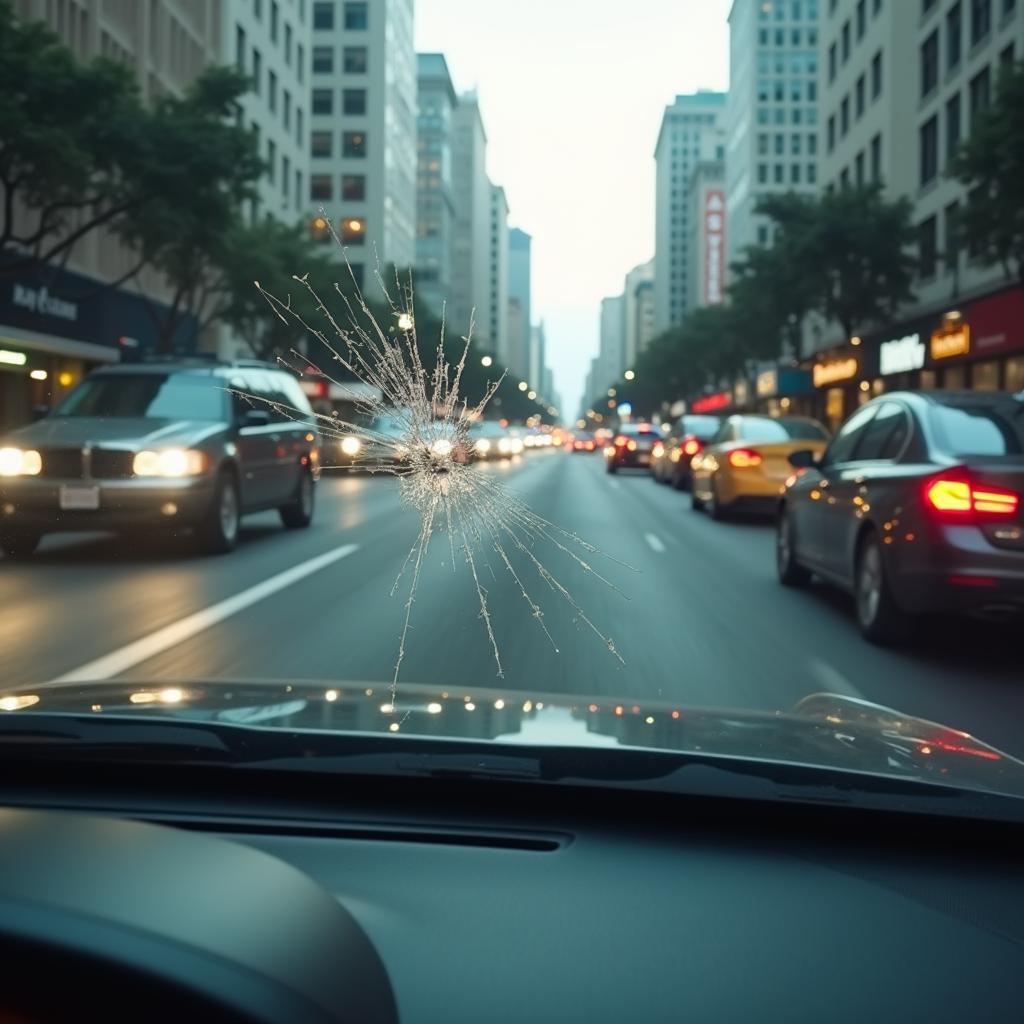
(701, 622)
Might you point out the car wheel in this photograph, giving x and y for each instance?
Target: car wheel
(880, 619)
(714, 506)
(791, 572)
(298, 513)
(695, 503)
(19, 543)
(678, 481)
(218, 532)
(611, 467)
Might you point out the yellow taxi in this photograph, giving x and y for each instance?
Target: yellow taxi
(746, 464)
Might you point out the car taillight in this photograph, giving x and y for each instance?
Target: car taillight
(744, 458)
(691, 446)
(620, 441)
(957, 496)
(658, 450)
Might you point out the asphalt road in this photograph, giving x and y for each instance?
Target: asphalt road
(697, 615)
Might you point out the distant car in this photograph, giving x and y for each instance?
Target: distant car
(382, 442)
(916, 506)
(490, 440)
(582, 441)
(631, 447)
(745, 465)
(670, 461)
(163, 445)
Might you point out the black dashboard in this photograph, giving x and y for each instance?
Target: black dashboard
(430, 901)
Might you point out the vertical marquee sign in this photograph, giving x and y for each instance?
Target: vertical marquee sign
(714, 247)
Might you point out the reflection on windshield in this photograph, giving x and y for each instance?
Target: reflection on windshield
(151, 395)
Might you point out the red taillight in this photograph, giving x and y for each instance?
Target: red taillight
(590, 446)
(691, 446)
(744, 458)
(956, 496)
(620, 441)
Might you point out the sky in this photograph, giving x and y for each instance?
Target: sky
(572, 94)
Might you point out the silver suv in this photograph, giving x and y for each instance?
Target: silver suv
(162, 445)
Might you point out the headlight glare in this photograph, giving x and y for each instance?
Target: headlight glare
(351, 445)
(20, 462)
(483, 445)
(168, 462)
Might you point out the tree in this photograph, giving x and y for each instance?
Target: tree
(69, 144)
(990, 164)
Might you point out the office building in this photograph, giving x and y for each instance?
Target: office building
(519, 243)
(612, 354)
(435, 200)
(772, 116)
(691, 131)
(363, 130)
(538, 356)
(637, 312)
(498, 277)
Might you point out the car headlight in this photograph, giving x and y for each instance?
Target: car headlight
(504, 445)
(20, 462)
(442, 446)
(351, 445)
(483, 445)
(170, 462)
(515, 446)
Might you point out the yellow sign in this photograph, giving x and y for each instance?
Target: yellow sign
(951, 340)
(834, 371)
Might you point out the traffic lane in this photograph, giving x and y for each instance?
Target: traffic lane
(958, 671)
(82, 595)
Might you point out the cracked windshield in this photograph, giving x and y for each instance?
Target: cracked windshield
(538, 374)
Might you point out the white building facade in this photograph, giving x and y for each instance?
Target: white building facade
(637, 312)
(519, 288)
(498, 278)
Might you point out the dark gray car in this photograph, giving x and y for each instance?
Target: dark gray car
(162, 445)
(916, 506)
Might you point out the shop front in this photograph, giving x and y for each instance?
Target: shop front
(843, 379)
(718, 403)
(784, 391)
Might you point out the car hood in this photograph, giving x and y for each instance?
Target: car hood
(823, 730)
(122, 432)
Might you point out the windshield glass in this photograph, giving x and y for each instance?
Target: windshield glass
(587, 374)
(176, 396)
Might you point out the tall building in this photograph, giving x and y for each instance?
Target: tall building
(638, 319)
(612, 355)
(498, 277)
(691, 131)
(708, 231)
(519, 243)
(435, 200)
(538, 356)
(772, 117)
(363, 130)
(472, 236)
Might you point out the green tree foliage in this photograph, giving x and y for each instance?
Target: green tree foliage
(990, 163)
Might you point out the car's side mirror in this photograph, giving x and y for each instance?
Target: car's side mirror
(40, 411)
(255, 418)
(802, 459)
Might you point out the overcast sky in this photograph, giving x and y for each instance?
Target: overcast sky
(572, 94)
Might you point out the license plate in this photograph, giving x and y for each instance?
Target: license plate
(643, 460)
(84, 499)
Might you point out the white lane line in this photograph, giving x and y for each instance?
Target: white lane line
(614, 484)
(132, 654)
(655, 542)
(832, 679)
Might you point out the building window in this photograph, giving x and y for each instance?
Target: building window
(257, 9)
(812, 144)
(981, 20)
(1006, 56)
(780, 144)
(323, 60)
(321, 143)
(832, 63)
(257, 71)
(275, 17)
(929, 147)
(762, 235)
(876, 158)
(845, 42)
(320, 186)
(876, 6)
(353, 186)
(323, 15)
(779, 174)
(831, 133)
(930, 63)
(862, 17)
(300, 62)
(858, 96)
(271, 160)
(353, 144)
(288, 45)
(356, 14)
(299, 198)
(844, 178)
(323, 101)
(298, 126)
(286, 176)
(794, 174)
(952, 124)
(762, 174)
(812, 174)
(927, 5)
(812, 91)
(353, 231)
(844, 117)
(287, 119)
(954, 23)
(876, 75)
(354, 60)
(353, 101)
(762, 144)
(858, 168)
(926, 248)
(951, 254)
(272, 91)
(780, 92)
(795, 143)
(980, 92)
(240, 47)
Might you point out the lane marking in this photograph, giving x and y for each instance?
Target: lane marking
(832, 679)
(655, 542)
(184, 629)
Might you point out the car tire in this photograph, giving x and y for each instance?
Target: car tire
(791, 572)
(298, 513)
(611, 467)
(881, 620)
(714, 507)
(19, 543)
(695, 503)
(217, 534)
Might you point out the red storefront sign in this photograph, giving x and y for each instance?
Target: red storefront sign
(997, 322)
(709, 403)
(714, 247)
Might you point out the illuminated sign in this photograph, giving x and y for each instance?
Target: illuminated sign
(709, 403)
(714, 247)
(768, 382)
(740, 390)
(39, 300)
(834, 371)
(953, 338)
(901, 355)
(12, 358)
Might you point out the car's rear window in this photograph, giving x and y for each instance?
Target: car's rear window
(756, 428)
(981, 429)
(700, 426)
(171, 396)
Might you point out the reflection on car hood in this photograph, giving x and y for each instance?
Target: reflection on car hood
(822, 730)
(124, 432)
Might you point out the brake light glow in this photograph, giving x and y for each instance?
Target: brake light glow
(957, 496)
(631, 445)
(691, 446)
(744, 458)
(658, 450)
(620, 441)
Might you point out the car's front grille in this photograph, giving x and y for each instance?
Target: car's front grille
(65, 463)
(107, 464)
